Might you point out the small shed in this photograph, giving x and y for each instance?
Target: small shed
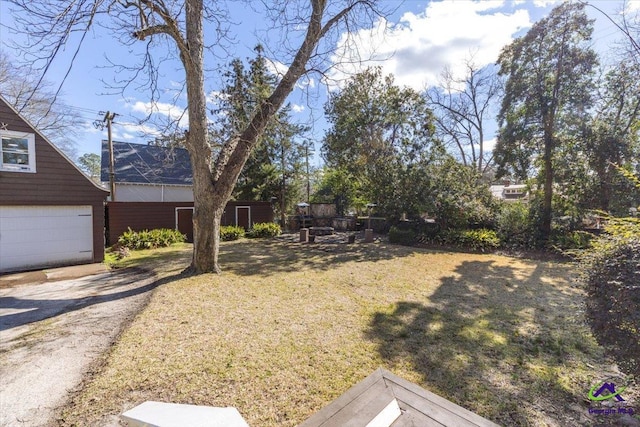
(154, 189)
(179, 216)
(51, 213)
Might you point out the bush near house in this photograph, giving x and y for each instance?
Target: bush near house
(264, 229)
(150, 239)
(231, 232)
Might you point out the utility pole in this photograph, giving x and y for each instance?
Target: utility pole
(108, 119)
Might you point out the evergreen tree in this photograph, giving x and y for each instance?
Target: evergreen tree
(277, 157)
(547, 98)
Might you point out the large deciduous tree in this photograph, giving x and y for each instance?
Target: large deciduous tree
(462, 107)
(178, 26)
(380, 134)
(547, 96)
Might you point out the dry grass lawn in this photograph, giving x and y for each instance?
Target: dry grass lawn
(289, 327)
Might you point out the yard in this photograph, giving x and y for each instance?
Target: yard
(289, 327)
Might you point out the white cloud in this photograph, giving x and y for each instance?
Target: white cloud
(276, 67)
(170, 111)
(126, 131)
(297, 108)
(420, 46)
(214, 97)
(88, 127)
(305, 82)
(490, 144)
(633, 5)
(545, 3)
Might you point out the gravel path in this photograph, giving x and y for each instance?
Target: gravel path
(51, 334)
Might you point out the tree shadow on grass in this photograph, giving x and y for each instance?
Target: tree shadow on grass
(267, 257)
(506, 343)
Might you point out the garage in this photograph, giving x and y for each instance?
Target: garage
(38, 236)
(51, 213)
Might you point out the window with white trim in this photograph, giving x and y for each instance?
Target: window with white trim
(17, 151)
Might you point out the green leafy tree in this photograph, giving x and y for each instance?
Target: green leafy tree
(340, 187)
(613, 138)
(549, 79)
(610, 274)
(456, 197)
(90, 163)
(380, 134)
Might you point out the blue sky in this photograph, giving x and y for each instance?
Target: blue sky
(415, 43)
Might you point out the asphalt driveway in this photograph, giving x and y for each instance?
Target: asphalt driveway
(52, 333)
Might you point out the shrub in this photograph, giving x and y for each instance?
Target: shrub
(570, 240)
(513, 224)
(611, 273)
(477, 240)
(402, 236)
(150, 239)
(231, 232)
(264, 229)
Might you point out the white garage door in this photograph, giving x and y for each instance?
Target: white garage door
(37, 236)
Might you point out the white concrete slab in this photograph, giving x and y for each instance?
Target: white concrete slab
(160, 414)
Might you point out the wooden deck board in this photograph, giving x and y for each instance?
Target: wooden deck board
(415, 419)
(432, 405)
(362, 402)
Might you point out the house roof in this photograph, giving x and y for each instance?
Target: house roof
(498, 190)
(147, 164)
(28, 123)
(384, 399)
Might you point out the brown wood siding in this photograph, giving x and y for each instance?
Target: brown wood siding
(260, 212)
(149, 215)
(140, 216)
(56, 182)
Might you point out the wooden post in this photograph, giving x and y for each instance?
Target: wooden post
(368, 235)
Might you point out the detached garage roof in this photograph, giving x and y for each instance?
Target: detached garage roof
(147, 164)
(386, 400)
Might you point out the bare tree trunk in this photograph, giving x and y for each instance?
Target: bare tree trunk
(207, 218)
(207, 211)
